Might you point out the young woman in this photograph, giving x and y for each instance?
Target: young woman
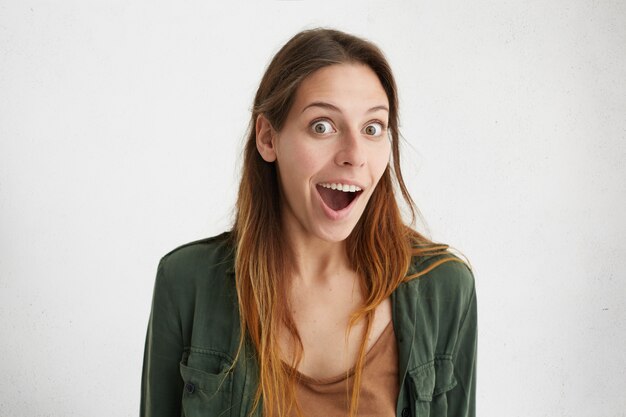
(320, 301)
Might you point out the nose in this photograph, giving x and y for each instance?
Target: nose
(351, 150)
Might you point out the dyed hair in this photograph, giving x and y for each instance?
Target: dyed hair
(379, 248)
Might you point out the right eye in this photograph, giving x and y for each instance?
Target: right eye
(322, 127)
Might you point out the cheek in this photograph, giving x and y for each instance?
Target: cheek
(379, 158)
(298, 162)
(296, 165)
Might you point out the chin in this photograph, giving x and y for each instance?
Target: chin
(336, 234)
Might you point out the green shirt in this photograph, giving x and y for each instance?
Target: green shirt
(193, 335)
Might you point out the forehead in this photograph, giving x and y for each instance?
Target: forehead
(351, 87)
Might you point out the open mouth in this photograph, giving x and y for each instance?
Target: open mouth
(337, 199)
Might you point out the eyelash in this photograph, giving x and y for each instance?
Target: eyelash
(323, 119)
(383, 126)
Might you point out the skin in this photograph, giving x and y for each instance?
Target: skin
(336, 129)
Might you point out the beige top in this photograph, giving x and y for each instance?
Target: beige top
(379, 385)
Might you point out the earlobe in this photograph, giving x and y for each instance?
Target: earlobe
(265, 139)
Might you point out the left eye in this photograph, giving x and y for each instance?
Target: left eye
(373, 129)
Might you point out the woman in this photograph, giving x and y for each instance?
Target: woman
(344, 309)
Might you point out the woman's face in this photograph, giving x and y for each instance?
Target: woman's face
(332, 150)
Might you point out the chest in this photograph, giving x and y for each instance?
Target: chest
(322, 323)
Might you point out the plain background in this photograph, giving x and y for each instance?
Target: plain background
(121, 124)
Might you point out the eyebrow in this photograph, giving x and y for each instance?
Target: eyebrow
(329, 106)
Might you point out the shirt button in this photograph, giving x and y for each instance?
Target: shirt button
(190, 388)
(405, 412)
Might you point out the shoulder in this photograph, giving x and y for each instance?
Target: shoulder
(447, 274)
(198, 261)
(445, 284)
(211, 248)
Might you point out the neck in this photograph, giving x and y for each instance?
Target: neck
(315, 260)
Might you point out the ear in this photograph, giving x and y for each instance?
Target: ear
(265, 135)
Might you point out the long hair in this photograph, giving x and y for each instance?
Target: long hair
(379, 248)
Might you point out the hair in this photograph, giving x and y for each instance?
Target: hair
(379, 248)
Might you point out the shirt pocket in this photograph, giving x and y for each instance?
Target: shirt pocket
(207, 386)
(430, 383)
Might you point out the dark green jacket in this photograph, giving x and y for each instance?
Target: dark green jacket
(193, 334)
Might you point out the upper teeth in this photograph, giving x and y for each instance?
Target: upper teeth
(341, 187)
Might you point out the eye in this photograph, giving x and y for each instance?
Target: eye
(322, 126)
(374, 129)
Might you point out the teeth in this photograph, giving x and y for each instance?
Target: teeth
(341, 187)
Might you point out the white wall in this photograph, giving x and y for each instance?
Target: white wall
(120, 131)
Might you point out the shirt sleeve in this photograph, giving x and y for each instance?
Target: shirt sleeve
(161, 383)
(462, 398)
